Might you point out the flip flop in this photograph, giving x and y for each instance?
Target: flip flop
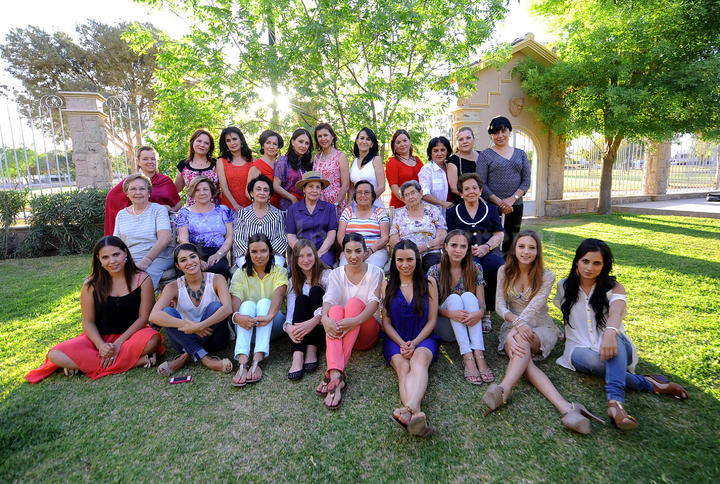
(239, 384)
(333, 388)
(253, 368)
(418, 426)
(400, 414)
(324, 384)
(150, 360)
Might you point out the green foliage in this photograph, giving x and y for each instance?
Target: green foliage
(11, 203)
(353, 64)
(65, 223)
(628, 70)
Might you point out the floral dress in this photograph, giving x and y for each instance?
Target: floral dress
(188, 173)
(329, 169)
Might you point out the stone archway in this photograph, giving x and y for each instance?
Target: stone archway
(499, 93)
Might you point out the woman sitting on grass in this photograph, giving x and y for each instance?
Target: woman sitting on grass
(529, 332)
(115, 301)
(349, 306)
(304, 302)
(460, 289)
(258, 289)
(409, 314)
(197, 322)
(593, 305)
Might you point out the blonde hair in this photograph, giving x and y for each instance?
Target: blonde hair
(192, 186)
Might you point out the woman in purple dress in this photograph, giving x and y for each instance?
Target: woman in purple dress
(409, 344)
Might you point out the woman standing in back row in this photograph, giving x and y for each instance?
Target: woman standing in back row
(332, 164)
(199, 161)
(402, 166)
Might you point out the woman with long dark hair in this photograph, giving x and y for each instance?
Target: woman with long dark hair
(367, 165)
(258, 289)
(196, 322)
(115, 301)
(462, 304)
(332, 164)
(528, 332)
(304, 302)
(233, 167)
(290, 168)
(199, 161)
(593, 306)
(410, 304)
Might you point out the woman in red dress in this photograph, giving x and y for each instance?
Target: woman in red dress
(402, 166)
(233, 167)
(116, 301)
(163, 189)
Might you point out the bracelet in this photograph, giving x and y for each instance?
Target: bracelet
(232, 318)
(610, 327)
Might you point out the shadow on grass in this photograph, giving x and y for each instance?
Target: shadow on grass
(647, 222)
(633, 255)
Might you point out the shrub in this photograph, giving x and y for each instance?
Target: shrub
(65, 223)
(11, 203)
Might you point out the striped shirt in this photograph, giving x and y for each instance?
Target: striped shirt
(139, 232)
(367, 227)
(271, 224)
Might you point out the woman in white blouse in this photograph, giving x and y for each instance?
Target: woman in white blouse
(367, 165)
(528, 332)
(348, 314)
(593, 305)
(433, 175)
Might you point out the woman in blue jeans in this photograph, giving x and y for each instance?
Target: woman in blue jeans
(593, 305)
(197, 324)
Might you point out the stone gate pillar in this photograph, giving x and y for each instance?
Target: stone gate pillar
(656, 170)
(87, 124)
(556, 166)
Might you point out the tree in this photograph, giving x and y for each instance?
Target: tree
(371, 63)
(628, 69)
(101, 60)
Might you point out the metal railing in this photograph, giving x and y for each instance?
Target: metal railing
(694, 165)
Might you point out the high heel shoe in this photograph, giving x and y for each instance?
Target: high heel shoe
(493, 398)
(661, 385)
(577, 419)
(620, 417)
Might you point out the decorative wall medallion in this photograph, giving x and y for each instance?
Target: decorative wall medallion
(516, 105)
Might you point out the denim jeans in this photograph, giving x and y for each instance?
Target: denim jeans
(193, 344)
(617, 378)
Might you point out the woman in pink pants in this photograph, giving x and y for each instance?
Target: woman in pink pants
(349, 322)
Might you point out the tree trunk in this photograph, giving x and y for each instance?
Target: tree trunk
(608, 160)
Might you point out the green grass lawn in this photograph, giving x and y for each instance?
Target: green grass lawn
(137, 427)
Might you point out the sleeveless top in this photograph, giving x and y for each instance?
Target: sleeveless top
(268, 171)
(366, 172)
(188, 173)
(236, 178)
(404, 319)
(329, 169)
(185, 305)
(117, 313)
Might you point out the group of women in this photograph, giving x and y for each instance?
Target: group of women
(446, 273)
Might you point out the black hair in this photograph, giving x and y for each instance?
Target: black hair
(604, 282)
(420, 283)
(466, 177)
(267, 134)
(260, 178)
(372, 152)
(100, 279)
(439, 140)
(330, 129)
(365, 182)
(354, 237)
(225, 152)
(499, 123)
(300, 163)
(395, 136)
(248, 265)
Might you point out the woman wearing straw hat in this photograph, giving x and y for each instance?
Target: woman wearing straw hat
(312, 218)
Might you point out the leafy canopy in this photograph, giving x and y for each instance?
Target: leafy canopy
(353, 63)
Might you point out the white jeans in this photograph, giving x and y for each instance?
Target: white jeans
(468, 337)
(263, 334)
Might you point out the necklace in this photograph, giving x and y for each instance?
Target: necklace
(196, 295)
(135, 212)
(407, 159)
(407, 284)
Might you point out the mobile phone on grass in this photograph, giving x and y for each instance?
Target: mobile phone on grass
(181, 379)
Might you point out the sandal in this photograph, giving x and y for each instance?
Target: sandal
(620, 417)
(150, 360)
(661, 385)
(487, 376)
(493, 398)
(418, 426)
(322, 388)
(69, 372)
(310, 367)
(164, 368)
(471, 376)
(253, 369)
(486, 323)
(402, 416)
(227, 365)
(576, 419)
(243, 376)
(334, 388)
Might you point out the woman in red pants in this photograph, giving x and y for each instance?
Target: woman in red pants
(348, 321)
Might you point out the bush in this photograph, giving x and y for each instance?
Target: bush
(65, 223)
(11, 203)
